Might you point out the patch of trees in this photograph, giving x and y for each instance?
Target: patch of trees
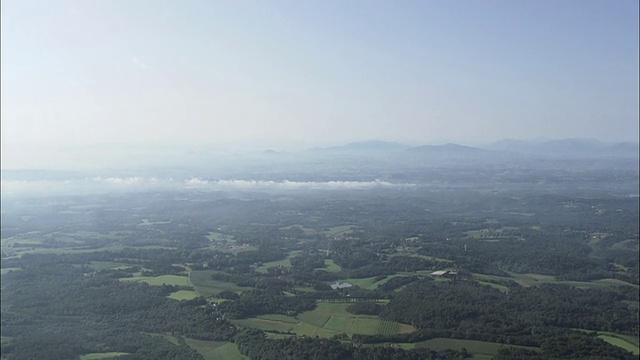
(307, 261)
(58, 298)
(482, 313)
(365, 308)
(267, 301)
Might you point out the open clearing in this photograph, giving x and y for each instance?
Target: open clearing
(146, 222)
(263, 268)
(332, 267)
(338, 231)
(6, 270)
(369, 283)
(216, 350)
(161, 280)
(108, 355)
(628, 342)
(473, 346)
(307, 231)
(502, 288)
(621, 342)
(207, 287)
(327, 320)
(527, 280)
(103, 265)
(183, 295)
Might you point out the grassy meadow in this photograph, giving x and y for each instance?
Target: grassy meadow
(327, 320)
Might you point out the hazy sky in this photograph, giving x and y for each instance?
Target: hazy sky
(317, 71)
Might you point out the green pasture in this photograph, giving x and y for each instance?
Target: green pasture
(473, 346)
(621, 342)
(184, 295)
(279, 317)
(337, 231)
(6, 270)
(147, 222)
(337, 324)
(628, 342)
(263, 268)
(502, 288)
(216, 236)
(332, 267)
(426, 257)
(207, 287)
(609, 282)
(369, 283)
(306, 230)
(107, 355)
(327, 320)
(74, 249)
(161, 280)
(103, 265)
(276, 336)
(216, 350)
(527, 280)
(266, 325)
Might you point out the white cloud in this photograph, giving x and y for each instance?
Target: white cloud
(99, 184)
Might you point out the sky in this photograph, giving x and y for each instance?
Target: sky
(315, 72)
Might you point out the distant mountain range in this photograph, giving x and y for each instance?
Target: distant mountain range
(571, 148)
(373, 145)
(370, 154)
(568, 148)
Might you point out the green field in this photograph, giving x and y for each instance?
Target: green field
(279, 317)
(161, 280)
(75, 250)
(207, 287)
(337, 324)
(502, 288)
(369, 283)
(103, 265)
(266, 325)
(426, 257)
(527, 280)
(184, 295)
(107, 355)
(338, 231)
(6, 270)
(332, 266)
(327, 320)
(146, 222)
(216, 350)
(263, 268)
(620, 342)
(4, 340)
(473, 346)
(628, 342)
(307, 231)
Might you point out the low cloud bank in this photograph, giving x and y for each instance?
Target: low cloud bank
(100, 184)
